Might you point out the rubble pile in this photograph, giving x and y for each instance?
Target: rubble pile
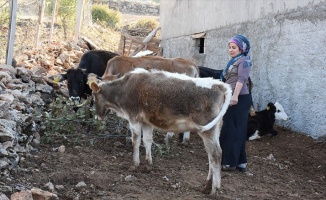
(26, 87)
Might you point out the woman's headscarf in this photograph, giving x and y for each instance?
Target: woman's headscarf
(244, 45)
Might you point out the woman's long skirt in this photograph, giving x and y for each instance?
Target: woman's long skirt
(234, 132)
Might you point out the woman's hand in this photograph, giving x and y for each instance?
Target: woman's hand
(234, 100)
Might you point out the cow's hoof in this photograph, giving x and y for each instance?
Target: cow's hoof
(275, 133)
(208, 187)
(206, 190)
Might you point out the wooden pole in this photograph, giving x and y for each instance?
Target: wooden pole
(53, 19)
(40, 19)
(11, 33)
(57, 11)
(78, 20)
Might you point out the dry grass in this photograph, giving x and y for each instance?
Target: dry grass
(104, 38)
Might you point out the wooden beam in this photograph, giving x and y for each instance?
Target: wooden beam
(90, 43)
(144, 43)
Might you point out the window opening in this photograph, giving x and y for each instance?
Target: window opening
(201, 45)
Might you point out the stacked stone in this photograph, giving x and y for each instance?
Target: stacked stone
(24, 91)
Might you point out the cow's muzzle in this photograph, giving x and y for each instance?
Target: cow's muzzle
(74, 98)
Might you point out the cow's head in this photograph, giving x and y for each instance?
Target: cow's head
(98, 98)
(280, 113)
(76, 82)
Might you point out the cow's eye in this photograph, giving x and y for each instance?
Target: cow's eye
(278, 111)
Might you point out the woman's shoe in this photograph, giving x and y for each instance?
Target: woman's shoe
(228, 168)
(242, 169)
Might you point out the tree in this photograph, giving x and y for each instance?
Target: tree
(66, 12)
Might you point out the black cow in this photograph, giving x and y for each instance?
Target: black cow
(262, 122)
(216, 74)
(93, 61)
(208, 72)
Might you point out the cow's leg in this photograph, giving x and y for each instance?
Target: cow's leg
(136, 138)
(186, 137)
(255, 136)
(167, 137)
(214, 152)
(148, 141)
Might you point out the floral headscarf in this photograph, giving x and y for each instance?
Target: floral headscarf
(244, 45)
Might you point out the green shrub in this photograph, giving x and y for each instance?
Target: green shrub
(4, 17)
(63, 122)
(146, 24)
(102, 13)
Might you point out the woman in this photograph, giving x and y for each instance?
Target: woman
(234, 129)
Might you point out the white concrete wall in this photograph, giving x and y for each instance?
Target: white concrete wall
(288, 41)
(183, 17)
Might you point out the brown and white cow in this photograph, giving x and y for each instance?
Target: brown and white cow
(120, 65)
(170, 102)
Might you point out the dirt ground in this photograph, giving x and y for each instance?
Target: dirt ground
(288, 166)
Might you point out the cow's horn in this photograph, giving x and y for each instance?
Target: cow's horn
(85, 102)
(91, 79)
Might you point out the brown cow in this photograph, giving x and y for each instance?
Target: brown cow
(170, 102)
(120, 65)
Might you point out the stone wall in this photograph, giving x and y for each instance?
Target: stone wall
(287, 51)
(135, 7)
(24, 94)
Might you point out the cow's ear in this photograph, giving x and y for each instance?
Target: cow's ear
(63, 77)
(95, 87)
(270, 104)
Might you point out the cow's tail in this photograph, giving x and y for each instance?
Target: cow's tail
(228, 94)
(196, 72)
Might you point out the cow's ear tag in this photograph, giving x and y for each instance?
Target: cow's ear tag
(56, 79)
(267, 108)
